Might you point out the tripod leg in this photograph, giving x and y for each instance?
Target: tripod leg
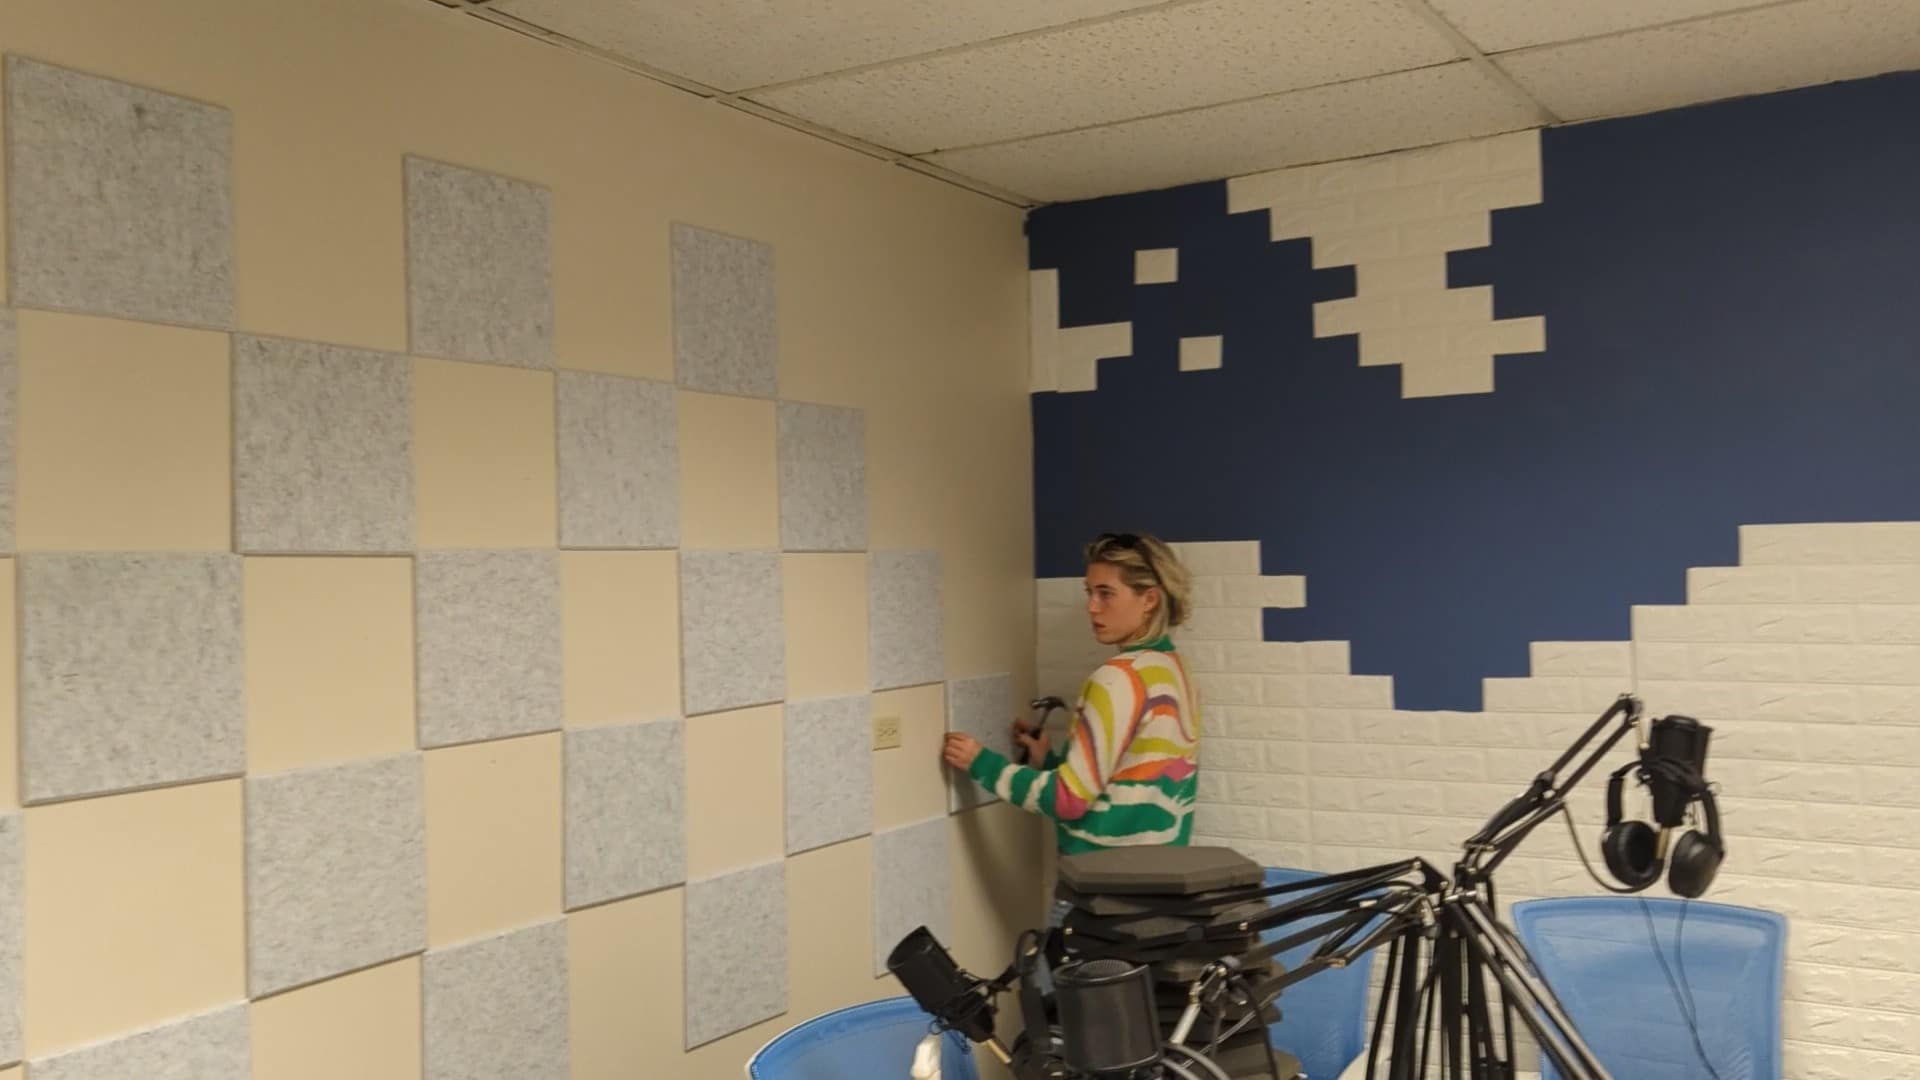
(1510, 966)
(1407, 1014)
(1451, 1005)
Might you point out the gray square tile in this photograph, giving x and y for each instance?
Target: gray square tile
(725, 337)
(12, 933)
(497, 1007)
(323, 448)
(732, 635)
(154, 238)
(626, 809)
(336, 870)
(488, 624)
(9, 423)
(983, 708)
(619, 462)
(906, 636)
(215, 1045)
(829, 750)
(823, 478)
(130, 672)
(736, 952)
(911, 886)
(479, 265)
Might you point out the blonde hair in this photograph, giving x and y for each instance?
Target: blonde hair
(1145, 562)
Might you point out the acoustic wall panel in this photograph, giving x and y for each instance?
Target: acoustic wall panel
(725, 338)
(829, 760)
(626, 810)
(823, 478)
(13, 883)
(9, 425)
(210, 1046)
(732, 643)
(479, 266)
(159, 245)
(904, 619)
(736, 952)
(323, 448)
(130, 671)
(336, 870)
(911, 886)
(489, 644)
(619, 462)
(498, 1006)
(983, 708)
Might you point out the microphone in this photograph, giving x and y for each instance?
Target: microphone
(1675, 761)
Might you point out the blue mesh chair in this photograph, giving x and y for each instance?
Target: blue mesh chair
(1323, 1018)
(874, 1040)
(1597, 953)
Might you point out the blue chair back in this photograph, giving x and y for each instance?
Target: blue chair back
(875, 1040)
(1323, 1018)
(1597, 953)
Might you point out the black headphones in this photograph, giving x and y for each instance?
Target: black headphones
(1632, 848)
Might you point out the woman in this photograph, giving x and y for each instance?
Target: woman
(1128, 776)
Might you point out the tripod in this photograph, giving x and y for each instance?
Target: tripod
(1451, 965)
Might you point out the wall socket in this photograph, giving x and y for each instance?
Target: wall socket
(886, 732)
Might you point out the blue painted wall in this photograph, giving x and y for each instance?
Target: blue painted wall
(1732, 303)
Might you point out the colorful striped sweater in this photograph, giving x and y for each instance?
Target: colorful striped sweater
(1130, 771)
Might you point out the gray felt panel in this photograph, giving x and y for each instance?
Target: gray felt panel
(322, 455)
(905, 638)
(12, 886)
(497, 1007)
(9, 423)
(983, 708)
(725, 338)
(336, 870)
(823, 478)
(619, 462)
(626, 810)
(130, 671)
(210, 1046)
(911, 886)
(488, 627)
(736, 952)
(732, 638)
(829, 748)
(479, 265)
(153, 237)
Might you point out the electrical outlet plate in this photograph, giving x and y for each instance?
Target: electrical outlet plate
(886, 732)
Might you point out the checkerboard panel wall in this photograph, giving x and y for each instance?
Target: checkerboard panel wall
(381, 705)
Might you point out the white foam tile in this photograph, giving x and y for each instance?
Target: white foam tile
(322, 454)
(209, 1046)
(619, 462)
(9, 422)
(829, 770)
(154, 238)
(906, 635)
(12, 933)
(130, 672)
(1177, 57)
(912, 886)
(479, 265)
(1200, 353)
(626, 813)
(336, 870)
(732, 636)
(1816, 41)
(733, 45)
(981, 706)
(489, 644)
(725, 333)
(1366, 116)
(736, 950)
(823, 477)
(497, 1007)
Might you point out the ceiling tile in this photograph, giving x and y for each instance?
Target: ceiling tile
(737, 44)
(1754, 52)
(1153, 62)
(1388, 112)
(1498, 25)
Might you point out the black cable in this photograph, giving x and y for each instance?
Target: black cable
(1688, 1011)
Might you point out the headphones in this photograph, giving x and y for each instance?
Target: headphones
(1632, 848)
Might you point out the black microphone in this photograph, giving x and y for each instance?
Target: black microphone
(1675, 769)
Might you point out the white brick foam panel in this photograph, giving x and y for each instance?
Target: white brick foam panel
(1804, 658)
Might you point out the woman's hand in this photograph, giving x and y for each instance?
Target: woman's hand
(961, 750)
(1034, 738)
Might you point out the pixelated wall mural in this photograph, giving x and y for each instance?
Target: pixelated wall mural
(1497, 392)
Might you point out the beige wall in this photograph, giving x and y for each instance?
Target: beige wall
(895, 294)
